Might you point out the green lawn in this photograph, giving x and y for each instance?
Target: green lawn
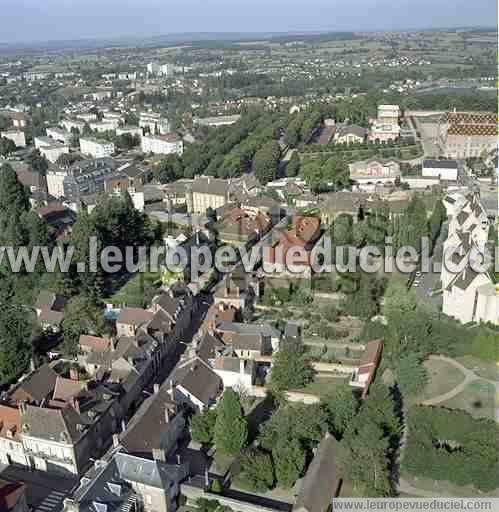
(137, 291)
(443, 377)
(483, 369)
(478, 398)
(323, 386)
(444, 488)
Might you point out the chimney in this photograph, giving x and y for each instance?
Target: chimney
(116, 440)
(206, 479)
(178, 459)
(156, 388)
(75, 403)
(241, 366)
(32, 365)
(171, 388)
(167, 415)
(22, 407)
(123, 425)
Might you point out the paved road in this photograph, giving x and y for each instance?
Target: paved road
(45, 492)
(429, 280)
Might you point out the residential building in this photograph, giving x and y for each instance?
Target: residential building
(442, 169)
(153, 122)
(16, 136)
(303, 233)
(322, 480)
(33, 181)
(130, 319)
(127, 483)
(235, 373)
(19, 120)
(59, 135)
(36, 388)
(13, 496)
(106, 125)
(239, 227)
(49, 308)
(96, 148)
(389, 113)
(53, 152)
(364, 375)
(166, 144)
(195, 384)
(207, 192)
(134, 131)
(373, 171)
(11, 446)
(349, 134)
(217, 120)
(88, 117)
(156, 428)
(236, 290)
(70, 124)
(50, 148)
(386, 126)
(88, 177)
(228, 331)
(59, 218)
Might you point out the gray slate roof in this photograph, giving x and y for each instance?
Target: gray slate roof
(320, 483)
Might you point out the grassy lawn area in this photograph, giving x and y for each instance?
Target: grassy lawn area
(323, 386)
(444, 488)
(221, 464)
(137, 291)
(478, 398)
(483, 369)
(442, 378)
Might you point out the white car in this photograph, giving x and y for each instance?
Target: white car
(419, 273)
(415, 284)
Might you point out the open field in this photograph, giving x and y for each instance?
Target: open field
(443, 377)
(323, 386)
(483, 369)
(478, 399)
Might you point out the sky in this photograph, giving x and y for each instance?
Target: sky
(51, 20)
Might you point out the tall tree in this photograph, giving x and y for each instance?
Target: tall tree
(266, 161)
(202, 426)
(289, 460)
(341, 408)
(81, 316)
(231, 429)
(15, 332)
(257, 472)
(291, 367)
(411, 375)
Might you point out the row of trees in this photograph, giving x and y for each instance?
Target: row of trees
(302, 127)
(284, 443)
(405, 229)
(451, 445)
(228, 151)
(19, 227)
